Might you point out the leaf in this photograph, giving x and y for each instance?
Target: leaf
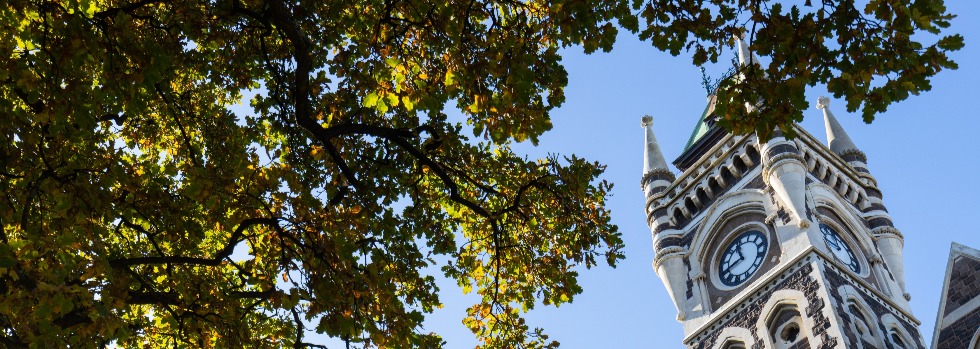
(409, 105)
(450, 78)
(370, 100)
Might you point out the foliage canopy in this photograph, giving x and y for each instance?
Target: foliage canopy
(128, 185)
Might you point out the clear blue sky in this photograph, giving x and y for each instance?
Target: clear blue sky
(924, 153)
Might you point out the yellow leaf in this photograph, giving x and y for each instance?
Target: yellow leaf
(450, 78)
(90, 11)
(409, 105)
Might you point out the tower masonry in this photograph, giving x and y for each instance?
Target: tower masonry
(783, 243)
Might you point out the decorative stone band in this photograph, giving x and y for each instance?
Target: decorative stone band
(850, 155)
(879, 221)
(655, 174)
(864, 174)
(652, 205)
(657, 228)
(874, 207)
(669, 252)
(650, 190)
(655, 219)
(886, 232)
(772, 162)
(672, 241)
(781, 149)
(873, 192)
(659, 212)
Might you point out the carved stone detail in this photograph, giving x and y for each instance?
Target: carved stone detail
(748, 315)
(835, 280)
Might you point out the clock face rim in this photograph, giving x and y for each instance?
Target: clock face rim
(854, 264)
(756, 263)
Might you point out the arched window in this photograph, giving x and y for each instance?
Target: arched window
(734, 345)
(753, 154)
(786, 327)
(862, 326)
(727, 176)
(740, 165)
(702, 196)
(714, 186)
(899, 341)
(691, 207)
(679, 218)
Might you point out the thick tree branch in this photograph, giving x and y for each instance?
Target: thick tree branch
(236, 237)
(172, 298)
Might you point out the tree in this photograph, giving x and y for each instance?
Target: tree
(137, 209)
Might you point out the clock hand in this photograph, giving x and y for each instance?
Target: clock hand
(741, 257)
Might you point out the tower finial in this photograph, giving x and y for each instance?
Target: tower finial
(838, 140)
(653, 158)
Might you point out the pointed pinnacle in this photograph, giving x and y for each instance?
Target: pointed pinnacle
(653, 158)
(838, 140)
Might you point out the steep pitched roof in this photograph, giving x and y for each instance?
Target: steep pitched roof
(702, 127)
(959, 307)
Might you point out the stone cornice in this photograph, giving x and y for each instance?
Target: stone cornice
(655, 174)
(666, 253)
(811, 143)
(776, 160)
(698, 170)
(886, 231)
(857, 154)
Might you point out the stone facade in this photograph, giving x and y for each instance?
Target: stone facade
(823, 268)
(786, 243)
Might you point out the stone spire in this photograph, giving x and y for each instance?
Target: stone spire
(669, 262)
(653, 158)
(744, 55)
(889, 239)
(838, 140)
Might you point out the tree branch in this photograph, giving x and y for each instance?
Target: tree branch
(236, 237)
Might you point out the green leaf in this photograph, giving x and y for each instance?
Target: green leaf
(370, 100)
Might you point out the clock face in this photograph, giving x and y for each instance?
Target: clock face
(839, 248)
(742, 258)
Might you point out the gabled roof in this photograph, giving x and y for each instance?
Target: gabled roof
(960, 293)
(702, 127)
(702, 139)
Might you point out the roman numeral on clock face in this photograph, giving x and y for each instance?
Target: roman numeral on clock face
(742, 257)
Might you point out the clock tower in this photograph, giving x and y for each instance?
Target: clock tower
(783, 243)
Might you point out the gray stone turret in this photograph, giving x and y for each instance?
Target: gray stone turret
(889, 239)
(784, 169)
(668, 262)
